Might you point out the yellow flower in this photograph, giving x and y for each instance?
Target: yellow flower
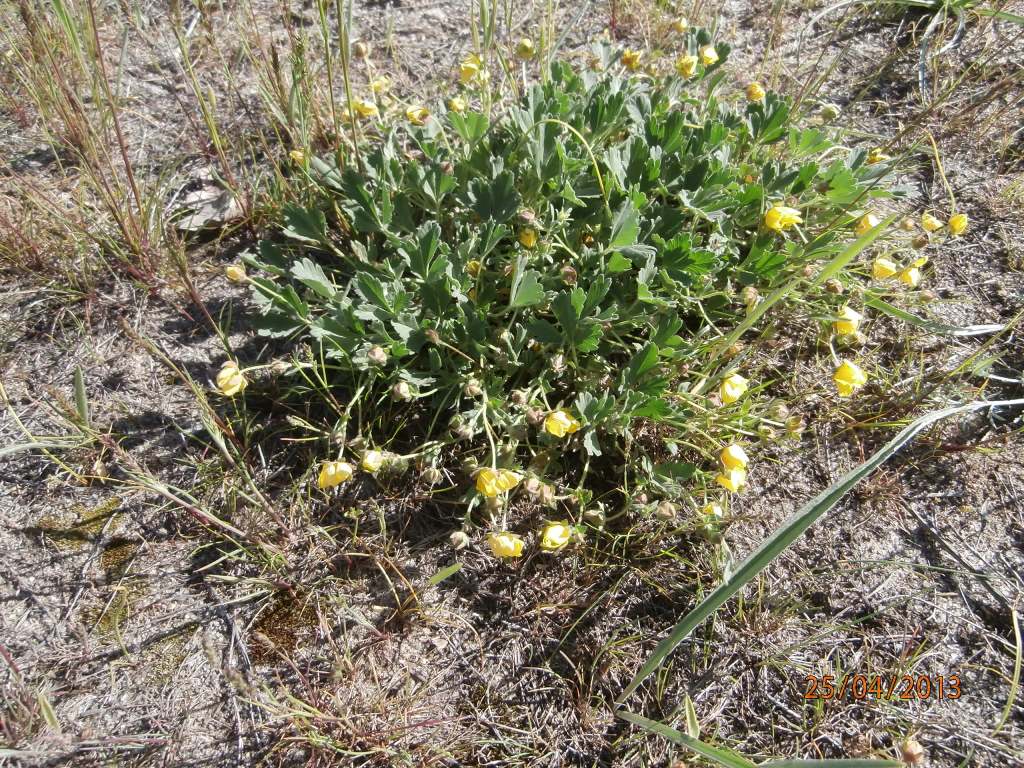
(734, 457)
(555, 536)
(781, 218)
(930, 223)
(561, 423)
(364, 108)
(528, 237)
(848, 322)
(866, 223)
(755, 92)
(298, 156)
(876, 155)
(680, 25)
(334, 473)
(631, 58)
(372, 461)
(708, 55)
(230, 379)
(957, 224)
(910, 276)
(235, 272)
(380, 84)
(417, 115)
(713, 510)
(457, 104)
(525, 49)
(882, 268)
(473, 268)
(732, 388)
(491, 482)
(505, 544)
(470, 68)
(732, 479)
(686, 66)
(849, 377)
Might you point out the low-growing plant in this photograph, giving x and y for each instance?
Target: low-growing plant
(547, 302)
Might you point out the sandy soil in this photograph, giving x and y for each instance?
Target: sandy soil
(114, 609)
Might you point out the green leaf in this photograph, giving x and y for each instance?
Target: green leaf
(495, 200)
(313, 277)
(625, 226)
(619, 263)
(371, 289)
(641, 363)
(526, 290)
(786, 534)
(306, 224)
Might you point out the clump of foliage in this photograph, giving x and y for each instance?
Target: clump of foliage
(545, 301)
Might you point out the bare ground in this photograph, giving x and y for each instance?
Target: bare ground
(116, 612)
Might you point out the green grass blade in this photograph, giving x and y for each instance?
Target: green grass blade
(846, 762)
(444, 573)
(720, 755)
(929, 325)
(775, 544)
(10, 450)
(81, 399)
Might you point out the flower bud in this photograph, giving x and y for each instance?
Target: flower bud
(361, 49)
(666, 510)
(568, 275)
(735, 349)
(534, 417)
(808, 270)
(594, 518)
(377, 355)
(795, 425)
(519, 397)
(765, 432)
(907, 224)
(401, 392)
(829, 111)
(779, 411)
(525, 49)
(919, 242)
(912, 752)
(527, 216)
(928, 295)
(472, 388)
(432, 336)
(832, 285)
(459, 539)
(432, 475)
(280, 367)
(235, 272)
(470, 464)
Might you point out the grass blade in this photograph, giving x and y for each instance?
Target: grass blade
(720, 755)
(851, 762)
(929, 325)
(775, 544)
(81, 399)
